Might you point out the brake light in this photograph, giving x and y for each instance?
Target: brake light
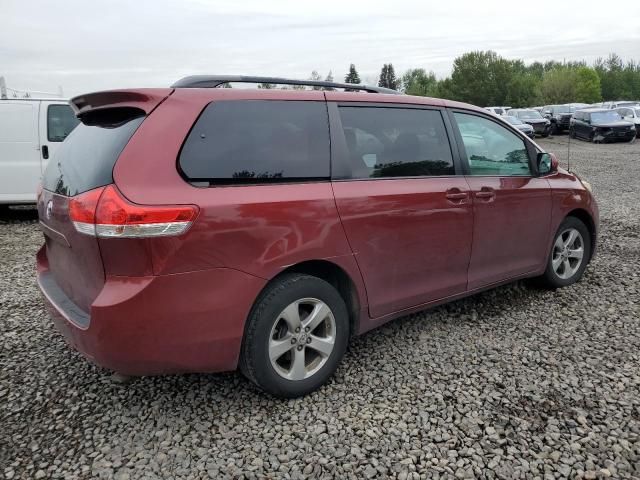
(105, 213)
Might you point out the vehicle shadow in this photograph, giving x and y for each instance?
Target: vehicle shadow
(209, 394)
(22, 213)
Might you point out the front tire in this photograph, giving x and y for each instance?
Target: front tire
(296, 335)
(570, 253)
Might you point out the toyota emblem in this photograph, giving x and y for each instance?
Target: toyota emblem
(49, 210)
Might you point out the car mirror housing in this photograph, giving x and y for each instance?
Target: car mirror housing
(547, 163)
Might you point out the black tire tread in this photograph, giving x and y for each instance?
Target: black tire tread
(269, 295)
(548, 278)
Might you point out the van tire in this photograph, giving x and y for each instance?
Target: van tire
(554, 278)
(266, 327)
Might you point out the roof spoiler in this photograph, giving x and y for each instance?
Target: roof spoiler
(145, 100)
(213, 81)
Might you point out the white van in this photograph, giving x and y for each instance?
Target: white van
(30, 132)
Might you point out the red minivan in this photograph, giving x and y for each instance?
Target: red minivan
(201, 229)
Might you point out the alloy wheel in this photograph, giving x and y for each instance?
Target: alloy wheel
(568, 253)
(302, 339)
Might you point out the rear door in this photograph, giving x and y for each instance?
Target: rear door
(19, 157)
(511, 206)
(83, 163)
(406, 213)
(56, 122)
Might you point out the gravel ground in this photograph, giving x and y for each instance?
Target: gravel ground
(512, 383)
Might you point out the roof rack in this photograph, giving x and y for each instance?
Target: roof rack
(213, 81)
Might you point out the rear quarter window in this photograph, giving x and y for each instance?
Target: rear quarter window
(258, 141)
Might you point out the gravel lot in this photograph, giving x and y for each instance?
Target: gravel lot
(512, 383)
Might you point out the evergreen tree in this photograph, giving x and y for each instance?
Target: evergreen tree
(315, 76)
(329, 78)
(352, 76)
(383, 76)
(388, 77)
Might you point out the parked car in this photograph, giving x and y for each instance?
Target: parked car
(520, 125)
(630, 114)
(559, 116)
(498, 110)
(31, 131)
(578, 106)
(600, 125)
(201, 229)
(621, 103)
(541, 125)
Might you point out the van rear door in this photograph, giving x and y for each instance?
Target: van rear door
(82, 166)
(19, 156)
(57, 120)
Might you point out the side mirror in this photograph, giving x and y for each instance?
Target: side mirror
(547, 163)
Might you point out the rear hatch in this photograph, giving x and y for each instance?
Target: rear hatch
(83, 163)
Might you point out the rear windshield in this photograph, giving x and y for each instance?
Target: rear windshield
(258, 141)
(529, 114)
(86, 158)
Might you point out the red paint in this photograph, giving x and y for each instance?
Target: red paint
(510, 227)
(401, 234)
(179, 304)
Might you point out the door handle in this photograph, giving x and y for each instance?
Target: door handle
(487, 193)
(456, 195)
(45, 152)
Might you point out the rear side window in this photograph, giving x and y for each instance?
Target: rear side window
(396, 142)
(85, 160)
(60, 122)
(254, 141)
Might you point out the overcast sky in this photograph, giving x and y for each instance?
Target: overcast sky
(85, 45)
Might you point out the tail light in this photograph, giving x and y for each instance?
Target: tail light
(105, 213)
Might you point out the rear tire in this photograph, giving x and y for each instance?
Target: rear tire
(569, 256)
(296, 335)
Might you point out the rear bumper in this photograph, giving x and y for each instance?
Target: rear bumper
(188, 322)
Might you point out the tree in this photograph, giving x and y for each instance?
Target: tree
(388, 77)
(267, 86)
(616, 79)
(587, 86)
(352, 76)
(523, 90)
(417, 81)
(329, 78)
(481, 78)
(315, 76)
(559, 86)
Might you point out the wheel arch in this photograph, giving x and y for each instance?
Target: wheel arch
(336, 276)
(586, 218)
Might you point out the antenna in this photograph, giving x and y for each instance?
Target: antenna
(569, 151)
